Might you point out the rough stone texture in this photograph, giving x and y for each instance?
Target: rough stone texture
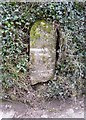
(42, 58)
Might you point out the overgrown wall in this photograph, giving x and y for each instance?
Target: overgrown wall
(16, 21)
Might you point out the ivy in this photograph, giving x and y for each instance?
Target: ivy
(17, 20)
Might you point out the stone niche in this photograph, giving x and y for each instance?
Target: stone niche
(42, 52)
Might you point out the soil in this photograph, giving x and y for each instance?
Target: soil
(43, 109)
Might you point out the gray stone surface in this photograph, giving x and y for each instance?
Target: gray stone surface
(42, 58)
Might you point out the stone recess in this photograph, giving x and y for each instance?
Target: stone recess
(42, 58)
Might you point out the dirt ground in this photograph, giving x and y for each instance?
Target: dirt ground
(44, 109)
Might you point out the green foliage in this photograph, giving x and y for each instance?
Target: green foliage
(70, 73)
(18, 18)
(14, 58)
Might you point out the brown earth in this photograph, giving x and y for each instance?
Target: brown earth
(43, 109)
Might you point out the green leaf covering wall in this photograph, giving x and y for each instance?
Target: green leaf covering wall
(18, 18)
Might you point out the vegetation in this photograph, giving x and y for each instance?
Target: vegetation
(17, 20)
